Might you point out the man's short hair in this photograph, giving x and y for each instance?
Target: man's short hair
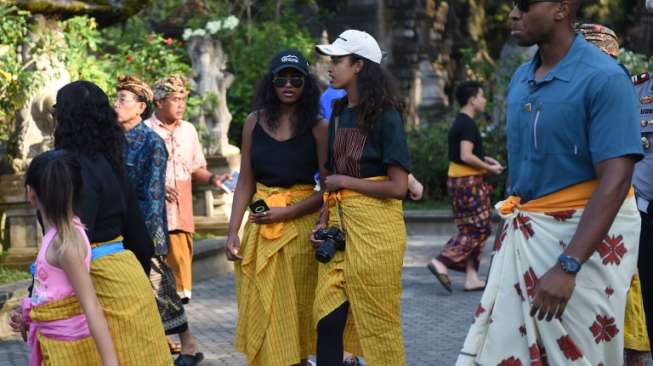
(466, 90)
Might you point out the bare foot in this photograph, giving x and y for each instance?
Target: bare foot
(188, 343)
(474, 284)
(439, 266)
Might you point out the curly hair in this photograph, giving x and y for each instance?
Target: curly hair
(377, 92)
(308, 105)
(86, 123)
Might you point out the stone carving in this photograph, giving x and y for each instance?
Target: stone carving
(211, 78)
(34, 123)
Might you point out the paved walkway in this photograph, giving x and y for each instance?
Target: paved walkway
(434, 322)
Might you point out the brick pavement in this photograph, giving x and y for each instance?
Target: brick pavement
(434, 322)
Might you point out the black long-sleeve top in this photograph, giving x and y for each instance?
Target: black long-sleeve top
(108, 208)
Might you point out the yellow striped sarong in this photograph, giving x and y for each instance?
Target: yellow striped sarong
(367, 275)
(635, 332)
(81, 352)
(126, 296)
(275, 284)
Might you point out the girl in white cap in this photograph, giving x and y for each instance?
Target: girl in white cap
(359, 288)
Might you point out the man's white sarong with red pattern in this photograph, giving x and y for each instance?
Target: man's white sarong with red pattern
(590, 331)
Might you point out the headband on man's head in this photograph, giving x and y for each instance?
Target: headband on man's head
(136, 86)
(169, 85)
(602, 37)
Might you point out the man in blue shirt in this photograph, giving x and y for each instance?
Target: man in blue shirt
(573, 140)
(145, 157)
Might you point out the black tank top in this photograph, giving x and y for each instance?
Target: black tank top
(283, 163)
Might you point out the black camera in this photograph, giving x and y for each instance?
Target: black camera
(332, 239)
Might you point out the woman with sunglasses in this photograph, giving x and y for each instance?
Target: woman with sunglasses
(359, 288)
(283, 144)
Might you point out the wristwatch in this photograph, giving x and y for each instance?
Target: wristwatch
(569, 264)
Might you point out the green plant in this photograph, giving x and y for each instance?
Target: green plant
(82, 55)
(635, 63)
(18, 77)
(9, 275)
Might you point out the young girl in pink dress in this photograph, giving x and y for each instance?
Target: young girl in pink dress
(64, 321)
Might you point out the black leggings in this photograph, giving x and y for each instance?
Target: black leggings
(330, 330)
(646, 268)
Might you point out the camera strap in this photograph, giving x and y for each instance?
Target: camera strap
(338, 206)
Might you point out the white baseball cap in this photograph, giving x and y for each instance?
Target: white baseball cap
(355, 42)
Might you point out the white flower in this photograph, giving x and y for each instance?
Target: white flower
(214, 26)
(231, 22)
(187, 34)
(199, 32)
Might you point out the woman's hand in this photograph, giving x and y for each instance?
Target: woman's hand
(233, 246)
(314, 242)
(17, 323)
(274, 214)
(336, 182)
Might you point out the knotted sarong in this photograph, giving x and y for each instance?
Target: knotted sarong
(275, 284)
(591, 330)
(367, 274)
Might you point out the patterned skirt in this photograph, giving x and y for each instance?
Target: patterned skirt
(367, 274)
(168, 301)
(591, 330)
(472, 213)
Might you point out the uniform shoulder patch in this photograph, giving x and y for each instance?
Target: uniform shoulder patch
(640, 78)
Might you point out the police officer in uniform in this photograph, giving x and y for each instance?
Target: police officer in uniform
(643, 182)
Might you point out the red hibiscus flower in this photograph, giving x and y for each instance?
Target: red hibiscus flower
(531, 281)
(612, 249)
(523, 223)
(169, 41)
(561, 215)
(604, 329)
(569, 349)
(512, 361)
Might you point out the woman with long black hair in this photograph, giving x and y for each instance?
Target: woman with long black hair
(358, 294)
(87, 125)
(284, 143)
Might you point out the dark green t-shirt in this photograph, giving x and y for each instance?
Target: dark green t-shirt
(361, 154)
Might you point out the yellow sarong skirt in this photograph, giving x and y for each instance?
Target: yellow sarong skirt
(275, 285)
(635, 332)
(81, 352)
(367, 275)
(126, 296)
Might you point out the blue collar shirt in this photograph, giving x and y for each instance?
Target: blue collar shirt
(583, 112)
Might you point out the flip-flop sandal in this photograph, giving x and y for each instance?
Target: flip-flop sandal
(479, 288)
(442, 277)
(189, 360)
(352, 361)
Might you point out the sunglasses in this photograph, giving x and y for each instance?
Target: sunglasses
(295, 81)
(523, 5)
